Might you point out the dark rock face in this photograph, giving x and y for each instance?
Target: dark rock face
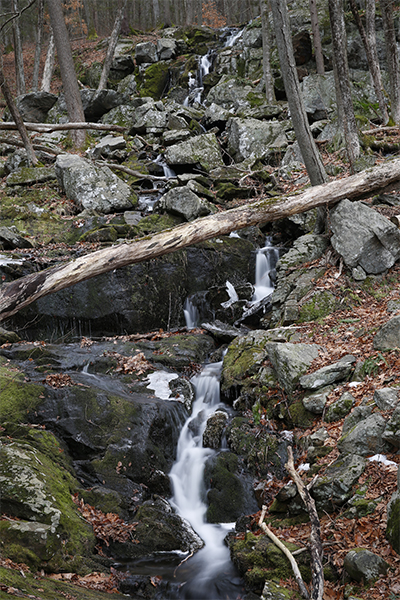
(35, 106)
(302, 47)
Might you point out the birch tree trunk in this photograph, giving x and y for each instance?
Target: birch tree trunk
(17, 118)
(19, 60)
(38, 47)
(111, 48)
(68, 76)
(309, 151)
(319, 57)
(392, 58)
(343, 90)
(266, 42)
(369, 41)
(22, 292)
(48, 65)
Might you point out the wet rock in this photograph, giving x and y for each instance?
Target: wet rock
(158, 529)
(364, 566)
(145, 52)
(363, 237)
(223, 332)
(388, 335)
(201, 150)
(386, 398)
(251, 138)
(35, 106)
(290, 361)
(329, 374)
(365, 438)
(340, 408)
(10, 239)
(91, 187)
(185, 203)
(215, 426)
(336, 486)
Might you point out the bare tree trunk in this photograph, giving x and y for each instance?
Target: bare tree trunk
(38, 47)
(266, 42)
(369, 42)
(309, 151)
(48, 65)
(343, 89)
(89, 20)
(111, 48)
(319, 57)
(18, 119)
(22, 292)
(392, 58)
(19, 60)
(68, 76)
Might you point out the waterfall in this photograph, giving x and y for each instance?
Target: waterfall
(191, 314)
(168, 172)
(195, 83)
(211, 572)
(234, 36)
(266, 260)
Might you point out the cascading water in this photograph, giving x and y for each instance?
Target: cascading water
(266, 260)
(195, 83)
(210, 573)
(233, 37)
(191, 314)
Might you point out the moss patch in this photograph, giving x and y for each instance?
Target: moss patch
(18, 398)
(153, 82)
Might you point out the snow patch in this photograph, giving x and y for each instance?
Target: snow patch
(158, 382)
(382, 459)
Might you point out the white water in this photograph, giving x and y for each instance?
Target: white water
(232, 293)
(168, 172)
(191, 314)
(233, 38)
(195, 83)
(213, 561)
(266, 260)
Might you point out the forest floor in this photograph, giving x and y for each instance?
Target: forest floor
(347, 331)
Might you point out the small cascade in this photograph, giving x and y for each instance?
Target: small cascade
(191, 313)
(210, 572)
(168, 172)
(266, 260)
(233, 37)
(195, 83)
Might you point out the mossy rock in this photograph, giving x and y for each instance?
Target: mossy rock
(35, 586)
(318, 306)
(393, 522)
(226, 495)
(297, 416)
(48, 530)
(230, 191)
(153, 81)
(18, 398)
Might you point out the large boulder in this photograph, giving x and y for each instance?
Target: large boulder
(291, 361)
(335, 487)
(91, 187)
(364, 566)
(329, 374)
(230, 94)
(365, 438)
(185, 203)
(149, 118)
(201, 150)
(388, 335)
(145, 52)
(363, 237)
(251, 138)
(35, 106)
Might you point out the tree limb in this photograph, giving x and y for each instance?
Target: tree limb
(132, 172)
(315, 536)
(41, 147)
(24, 291)
(287, 553)
(49, 127)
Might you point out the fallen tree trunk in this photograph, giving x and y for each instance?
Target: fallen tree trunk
(49, 127)
(24, 291)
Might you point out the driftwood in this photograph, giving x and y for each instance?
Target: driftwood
(287, 553)
(49, 127)
(24, 291)
(315, 536)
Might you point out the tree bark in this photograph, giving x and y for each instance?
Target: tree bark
(315, 536)
(369, 41)
(19, 60)
(68, 76)
(48, 65)
(392, 58)
(38, 47)
(309, 150)
(49, 127)
(22, 292)
(343, 90)
(19, 124)
(266, 42)
(319, 57)
(111, 48)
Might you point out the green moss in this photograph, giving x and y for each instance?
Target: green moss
(153, 82)
(258, 450)
(18, 398)
(298, 416)
(226, 495)
(320, 305)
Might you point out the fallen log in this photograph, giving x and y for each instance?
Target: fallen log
(49, 127)
(22, 292)
(40, 147)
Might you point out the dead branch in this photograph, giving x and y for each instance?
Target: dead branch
(133, 172)
(287, 553)
(315, 535)
(49, 127)
(39, 147)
